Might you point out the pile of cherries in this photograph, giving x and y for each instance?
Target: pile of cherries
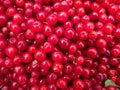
(59, 44)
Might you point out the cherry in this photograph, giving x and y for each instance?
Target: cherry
(61, 83)
(59, 31)
(87, 4)
(17, 60)
(115, 52)
(11, 11)
(53, 39)
(78, 84)
(85, 19)
(80, 44)
(36, 7)
(17, 18)
(39, 38)
(118, 67)
(34, 87)
(92, 53)
(64, 43)
(41, 15)
(108, 28)
(59, 44)
(20, 3)
(30, 21)
(52, 19)
(14, 85)
(111, 88)
(113, 61)
(33, 81)
(46, 64)
(3, 44)
(80, 60)
(15, 28)
(65, 5)
(79, 27)
(48, 30)
(72, 49)
(47, 47)
(57, 6)
(35, 74)
(37, 26)
(118, 16)
(57, 56)
(33, 66)
(112, 72)
(78, 70)
(62, 16)
(6, 87)
(3, 20)
(68, 69)
(80, 11)
(68, 24)
(101, 43)
(94, 16)
(52, 87)
(116, 33)
(27, 57)
(83, 35)
(103, 17)
(11, 51)
(51, 78)
(102, 68)
(22, 79)
(29, 12)
(19, 69)
(117, 81)
(76, 19)
(57, 67)
(95, 6)
(69, 33)
(71, 12)
(21, 45)
(39, 55)
(43, 87)
(47, 9)
(89, 26)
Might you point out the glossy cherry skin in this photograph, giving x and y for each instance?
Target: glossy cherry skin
(37, 26)
(39, 55)
(11, 51)
(22, 79)
(59, 44)
(3, 20)
(62, 16)
(57, 56)
(61, 83)
(78, 84)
